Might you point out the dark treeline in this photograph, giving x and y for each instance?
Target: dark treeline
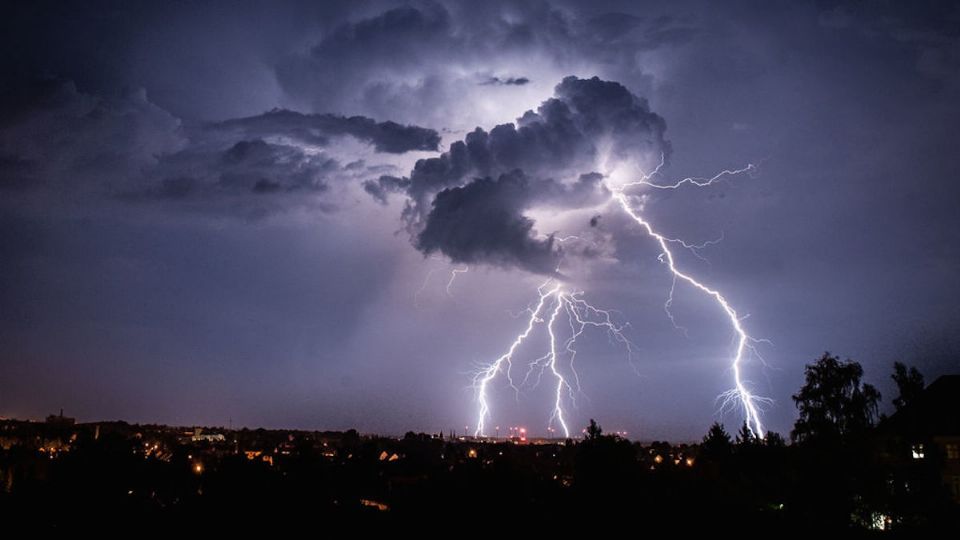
(845, 469)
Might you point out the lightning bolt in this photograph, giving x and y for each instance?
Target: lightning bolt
(554, 298)
(426, 280)
(557, 414)
(745, 343)
(453, 277)
(558, 301)
(423, 287)
(485, 375)
(693, 180)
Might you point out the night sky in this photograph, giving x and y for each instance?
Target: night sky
(216, 212)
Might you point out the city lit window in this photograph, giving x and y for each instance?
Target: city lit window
(880, 522)
(953, 451)
(917, 451)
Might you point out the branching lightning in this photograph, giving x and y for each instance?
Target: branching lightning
(423, 287)
(453, 277)
(556, 300)
(559, 302)
(750, 403)
(692, 180)
(449, 287)
(483, 378)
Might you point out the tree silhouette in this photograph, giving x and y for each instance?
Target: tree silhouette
(746, 436)
(833, 403)
(774, 440)
(604, 465)
(594, 431)
(909, 384)
(716, 443)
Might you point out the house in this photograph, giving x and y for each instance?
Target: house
(924, 436)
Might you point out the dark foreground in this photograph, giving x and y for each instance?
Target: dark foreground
(108, 476)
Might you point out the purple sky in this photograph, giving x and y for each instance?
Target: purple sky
(214, 210)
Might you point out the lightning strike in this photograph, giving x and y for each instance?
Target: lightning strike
(749, 402)
(483, 378)
(694, 180)
(561, 382)
(554, 298)
(423, 287)
(580, 315)
(453, 277)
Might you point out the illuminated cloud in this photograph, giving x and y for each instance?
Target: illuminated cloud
(470, 202)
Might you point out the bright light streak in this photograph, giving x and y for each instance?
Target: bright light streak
(453, 277)
(482, 379)
(693, 180)
(579, 315)
(561, 382)
(749, 402)
(555, 298)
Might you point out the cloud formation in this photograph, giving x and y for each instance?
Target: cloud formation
(455, 66)
(317, 129)
(508, 81)
(59, 137)
(126, 148)
(469, 203)
(483, 222)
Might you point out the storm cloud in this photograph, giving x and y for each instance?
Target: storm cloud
(483, 222)
(317, 129)
(458, 65)
(125, 147)
(509, 81)
(547, 158)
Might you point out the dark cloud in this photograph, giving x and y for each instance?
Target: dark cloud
(554, 151)
(381, 187)
(563, 135)
(62, 140)
(483, 222)
(251, 178)
(508, 81)
(317, 129)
